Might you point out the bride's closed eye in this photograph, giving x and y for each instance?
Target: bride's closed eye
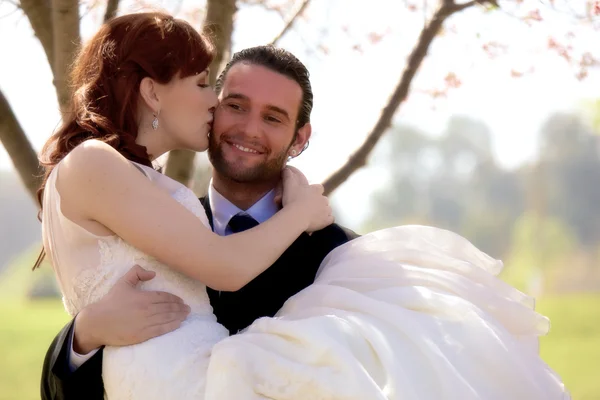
(203, 82)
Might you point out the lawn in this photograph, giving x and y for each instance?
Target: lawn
(572, 348)
(26, 331)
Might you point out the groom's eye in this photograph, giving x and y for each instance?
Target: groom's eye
(270, 118)
(234, 106)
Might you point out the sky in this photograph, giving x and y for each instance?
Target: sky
(351, 87)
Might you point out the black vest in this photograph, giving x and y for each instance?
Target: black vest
(292, 272)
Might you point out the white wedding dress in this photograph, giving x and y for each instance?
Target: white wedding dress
(404, 313)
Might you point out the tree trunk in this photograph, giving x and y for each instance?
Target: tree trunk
(65, 22)
(57, 28)
(19, 149)
(111, 9)
(358, 159)
(12, 136)
(219, 26)
(39, 14)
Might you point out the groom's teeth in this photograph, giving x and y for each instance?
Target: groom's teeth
(247, 150)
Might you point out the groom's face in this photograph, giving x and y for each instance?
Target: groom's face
(254, 125)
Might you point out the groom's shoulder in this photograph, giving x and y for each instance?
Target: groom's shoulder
(335, 234)
(329, 238)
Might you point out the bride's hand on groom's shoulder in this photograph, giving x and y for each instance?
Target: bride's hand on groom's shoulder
(128, 315)
(289, 176)
(309, 199)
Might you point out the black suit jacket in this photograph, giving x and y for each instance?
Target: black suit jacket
(262, 297)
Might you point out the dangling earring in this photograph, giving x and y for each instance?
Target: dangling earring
(155, 121)
(294, 152)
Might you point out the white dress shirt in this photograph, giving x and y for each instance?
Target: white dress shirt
(223, 210)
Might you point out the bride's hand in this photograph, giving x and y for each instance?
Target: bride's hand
(308, 198)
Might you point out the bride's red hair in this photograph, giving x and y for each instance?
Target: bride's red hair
(106, 76)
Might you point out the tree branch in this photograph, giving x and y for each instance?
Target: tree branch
(459, 7)
(111, 10)
(65, 21)
(219, 26)
(290, 22)
(19, 148)
(40, 17)
(17, 8)
(358, 159)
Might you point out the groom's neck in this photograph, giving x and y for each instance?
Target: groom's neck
(242, 194)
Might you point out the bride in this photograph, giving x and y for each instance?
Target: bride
(403, 313)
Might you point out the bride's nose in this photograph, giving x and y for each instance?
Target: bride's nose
(214, 100)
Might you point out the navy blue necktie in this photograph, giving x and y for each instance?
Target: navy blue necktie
(241, 222)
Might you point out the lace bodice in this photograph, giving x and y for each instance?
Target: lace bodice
(87, 265)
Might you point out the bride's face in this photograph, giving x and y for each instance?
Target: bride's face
(187, 107)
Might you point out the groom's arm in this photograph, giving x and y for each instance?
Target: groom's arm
(60, 381)
(125, 316)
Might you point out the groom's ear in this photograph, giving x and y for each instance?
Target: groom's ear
(302, 138)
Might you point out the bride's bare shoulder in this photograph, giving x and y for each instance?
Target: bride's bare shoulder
(94, 157)
(94, 162)
(94, 153)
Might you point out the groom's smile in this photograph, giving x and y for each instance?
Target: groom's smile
(244, 149)
(237, 145)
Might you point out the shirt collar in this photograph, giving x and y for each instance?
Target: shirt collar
(223, 209)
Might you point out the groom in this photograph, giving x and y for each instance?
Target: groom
(262, 120)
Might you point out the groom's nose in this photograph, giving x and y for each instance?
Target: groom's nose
(251, 126)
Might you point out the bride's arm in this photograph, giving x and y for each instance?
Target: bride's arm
(100, 185)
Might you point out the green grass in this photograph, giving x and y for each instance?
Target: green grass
(572, 348)
(17, 279)
(26, 330)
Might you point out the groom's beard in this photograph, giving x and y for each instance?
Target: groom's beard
(267, 170)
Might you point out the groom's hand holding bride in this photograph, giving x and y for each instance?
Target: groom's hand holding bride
(127, 315)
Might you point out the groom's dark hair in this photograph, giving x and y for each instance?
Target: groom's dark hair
(280, 61)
